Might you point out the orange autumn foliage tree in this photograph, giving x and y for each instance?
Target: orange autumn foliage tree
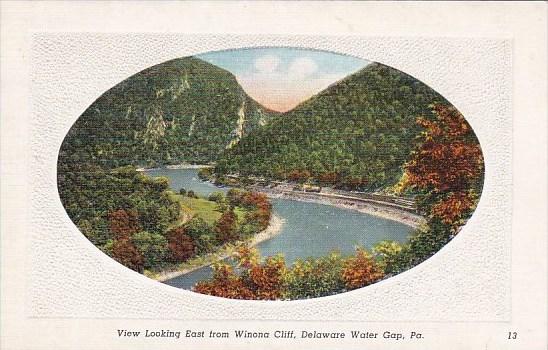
(361, 270)
(225, 283)
(261, 208)
(266, 280)
(447, 167)
(256, 280)
(255, 200)
(272, 280)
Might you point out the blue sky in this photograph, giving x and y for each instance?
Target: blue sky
(281, 78)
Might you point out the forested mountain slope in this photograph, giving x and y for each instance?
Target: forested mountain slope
(355, 134)
(184, 110)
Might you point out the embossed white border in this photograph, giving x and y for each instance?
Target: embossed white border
(522, 23)
(468, 280)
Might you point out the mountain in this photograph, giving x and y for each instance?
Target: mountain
(183, 110)
(355, 134)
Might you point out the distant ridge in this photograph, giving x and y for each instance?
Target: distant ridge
(355, 134)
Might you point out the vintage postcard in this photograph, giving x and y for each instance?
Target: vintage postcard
(273, 175)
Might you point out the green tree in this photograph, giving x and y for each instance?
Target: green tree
(202, 234)
(315, 277)
(96, 230)
(216, 197)
(153, 248)
(392, 256)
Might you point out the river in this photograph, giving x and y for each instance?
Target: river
(310, 229)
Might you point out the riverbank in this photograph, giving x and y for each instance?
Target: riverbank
(178, 166)
(375, 208)
(188, 166)
(274, 228)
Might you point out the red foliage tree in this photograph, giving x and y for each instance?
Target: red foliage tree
(225, 227)
(259, 216)
(361, 270)
(298, 175)
(353, 182)
(329, 178)
(448, 165)
(180, 245)
(124, 223)
(126, 254)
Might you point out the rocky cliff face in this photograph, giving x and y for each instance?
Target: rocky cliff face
(184, 110)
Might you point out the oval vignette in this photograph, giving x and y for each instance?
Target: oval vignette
(270, 173)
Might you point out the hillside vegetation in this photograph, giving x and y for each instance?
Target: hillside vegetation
(356, 134)
(181, 111)
(377, 129)
(184, 110)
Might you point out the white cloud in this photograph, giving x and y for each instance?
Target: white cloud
(302, 67)
(267, 64)
(282, 87)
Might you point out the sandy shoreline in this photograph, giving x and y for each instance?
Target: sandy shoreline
(177, 166)
(188, 166)
(276, 224)
(376, 208)
(385, 212)
(273, 229)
